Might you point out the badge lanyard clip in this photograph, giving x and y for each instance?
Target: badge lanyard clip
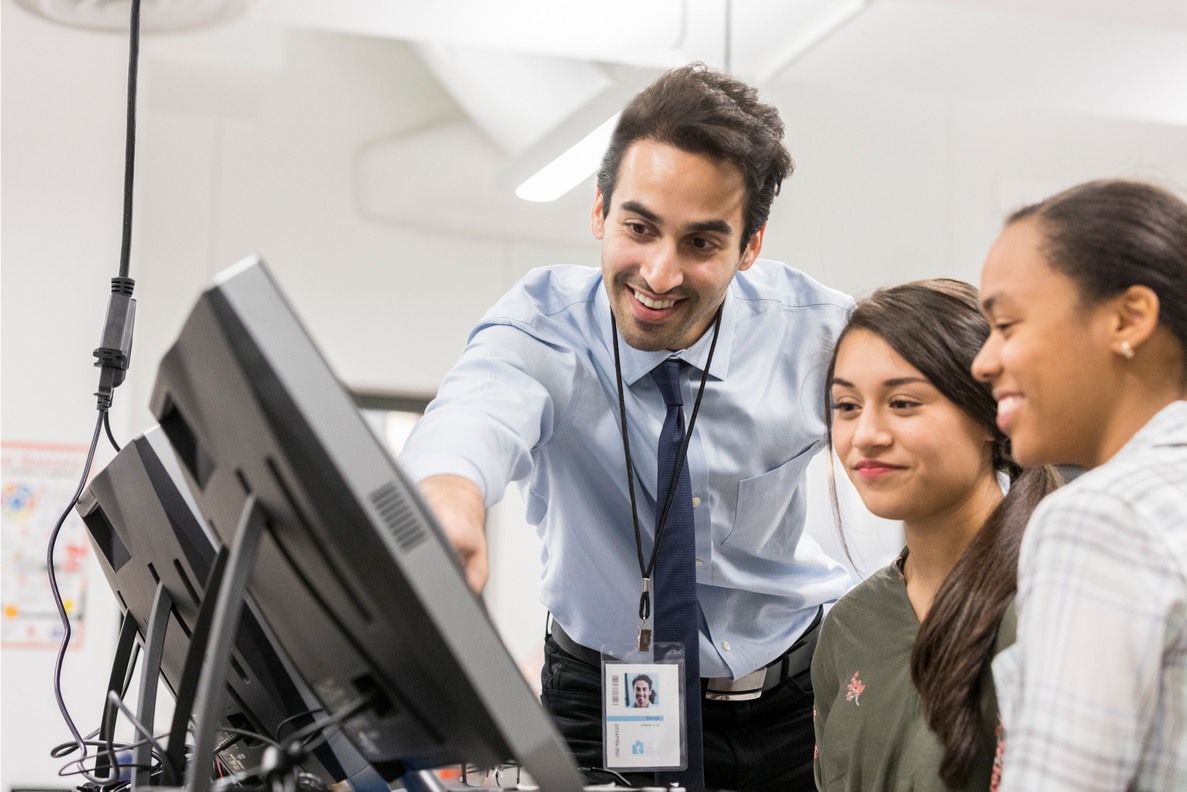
(645, 617)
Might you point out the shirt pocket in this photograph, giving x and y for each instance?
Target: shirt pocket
(769, 519)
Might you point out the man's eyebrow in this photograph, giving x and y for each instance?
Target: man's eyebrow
(715, 226)
(635, 207)
(988, 303)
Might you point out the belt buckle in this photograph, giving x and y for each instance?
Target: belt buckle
(744, 688)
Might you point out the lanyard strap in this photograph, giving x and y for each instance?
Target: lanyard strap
(645, 569)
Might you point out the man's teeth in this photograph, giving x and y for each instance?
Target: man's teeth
(655, 305)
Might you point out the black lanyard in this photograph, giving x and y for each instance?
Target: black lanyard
(645, 569)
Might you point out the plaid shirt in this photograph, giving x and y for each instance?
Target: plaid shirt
(1094, 693)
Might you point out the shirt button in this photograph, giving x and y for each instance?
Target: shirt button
(700, 562)
(725, 645)
(696, 502)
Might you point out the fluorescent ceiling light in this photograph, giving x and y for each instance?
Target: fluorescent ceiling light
(570, 168)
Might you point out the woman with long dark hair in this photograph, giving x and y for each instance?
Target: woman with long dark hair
(904, 698)
(1087, 295)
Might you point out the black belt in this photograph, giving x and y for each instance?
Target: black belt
(795, 661)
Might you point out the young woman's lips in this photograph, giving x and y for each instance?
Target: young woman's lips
(872, 469)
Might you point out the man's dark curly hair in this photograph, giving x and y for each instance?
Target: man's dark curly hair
(702, 111)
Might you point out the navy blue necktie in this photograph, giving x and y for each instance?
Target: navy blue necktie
(677, 615)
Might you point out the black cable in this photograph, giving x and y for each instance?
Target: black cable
(57, 595)
(130, 138)
(619, 776)
(65, 749)
(281, 759)
(158, 748)
(225, 744)
(291, 718)
(107, 428)
(351, 709)
(113, 357)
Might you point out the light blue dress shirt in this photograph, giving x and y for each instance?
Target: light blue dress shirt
(533, 399)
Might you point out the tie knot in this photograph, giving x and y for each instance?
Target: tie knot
(667, 377)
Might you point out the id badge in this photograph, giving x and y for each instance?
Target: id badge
(643, 708)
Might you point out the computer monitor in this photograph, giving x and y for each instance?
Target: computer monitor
(150, 538)
(352, 573)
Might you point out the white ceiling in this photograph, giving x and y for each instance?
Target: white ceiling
(1111, 57)
(531, 76)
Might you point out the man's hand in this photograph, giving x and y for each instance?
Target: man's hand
(458, 505)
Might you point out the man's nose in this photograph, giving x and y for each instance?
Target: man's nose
(662, 270)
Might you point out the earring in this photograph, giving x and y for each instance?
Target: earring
(1126, 350)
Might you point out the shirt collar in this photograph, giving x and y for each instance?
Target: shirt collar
(636, 363)
(1167, 427)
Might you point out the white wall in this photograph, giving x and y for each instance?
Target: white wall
(248, 139)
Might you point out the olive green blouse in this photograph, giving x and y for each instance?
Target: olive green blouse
(870, 729)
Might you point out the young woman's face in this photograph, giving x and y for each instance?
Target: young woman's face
(911, 453)
(1047, 356)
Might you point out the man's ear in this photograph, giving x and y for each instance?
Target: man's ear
(597, 216)
(752, 249)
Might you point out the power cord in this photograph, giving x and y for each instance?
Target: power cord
(61, 607)
(112, 357)
(279, 766)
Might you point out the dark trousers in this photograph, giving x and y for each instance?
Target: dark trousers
(752, 746)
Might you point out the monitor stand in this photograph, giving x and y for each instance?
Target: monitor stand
(210, 656)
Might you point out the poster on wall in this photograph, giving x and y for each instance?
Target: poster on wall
(39, 481)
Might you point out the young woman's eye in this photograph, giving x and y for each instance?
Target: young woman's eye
(903, 404)
(845, 409)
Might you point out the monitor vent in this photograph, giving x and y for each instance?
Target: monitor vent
(399, 516)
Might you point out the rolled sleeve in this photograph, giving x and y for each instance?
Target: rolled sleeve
(495, 406)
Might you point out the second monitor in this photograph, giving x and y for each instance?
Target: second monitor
(352, 573)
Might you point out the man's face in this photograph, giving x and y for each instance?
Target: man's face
(642, 693)
(670, 243)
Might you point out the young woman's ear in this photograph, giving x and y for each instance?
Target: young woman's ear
(1135, 315)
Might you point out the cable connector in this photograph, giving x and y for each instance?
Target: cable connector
(114, 354)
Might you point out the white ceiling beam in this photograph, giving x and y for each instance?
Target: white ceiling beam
(513, 97)
(622, 31)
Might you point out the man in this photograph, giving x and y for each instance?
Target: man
(681, 206)
(642, 691)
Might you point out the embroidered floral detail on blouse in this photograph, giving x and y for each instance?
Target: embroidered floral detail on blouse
(816, 747)
(999, 755)
(855, 689)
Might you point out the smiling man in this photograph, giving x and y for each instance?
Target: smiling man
(572, 382)
(643, 692)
